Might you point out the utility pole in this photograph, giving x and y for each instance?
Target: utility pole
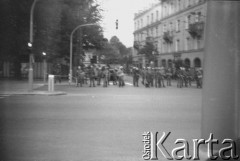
(30, 44)
(71, 49)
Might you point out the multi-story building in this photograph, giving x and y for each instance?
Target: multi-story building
(176, 29)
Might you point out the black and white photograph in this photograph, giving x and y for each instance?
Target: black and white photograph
(119, 80)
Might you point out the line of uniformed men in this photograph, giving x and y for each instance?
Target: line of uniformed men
(155, 76)
(98, 74)
(151, 77)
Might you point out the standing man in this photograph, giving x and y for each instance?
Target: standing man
(92, 76)
(169, 76)
(99, 76)
(105, 76)
(148, 77)
(156, 77)
(120, 76)
(136, 76)
(162, 75)
(143, 73)
(151, 76)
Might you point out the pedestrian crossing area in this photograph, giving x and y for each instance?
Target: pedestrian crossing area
(2, 96)
(126, 83)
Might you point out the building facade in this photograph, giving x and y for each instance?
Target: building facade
(175, 28)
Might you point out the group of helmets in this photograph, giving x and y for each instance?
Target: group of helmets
(135, 68)
(182, 68)
(156, 68)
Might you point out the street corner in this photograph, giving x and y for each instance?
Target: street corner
(46, 93)
(43, 93)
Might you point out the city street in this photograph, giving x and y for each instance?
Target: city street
(96, 124)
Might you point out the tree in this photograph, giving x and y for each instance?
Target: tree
(108, 54)
(53, 23)
(116, 43)
(75, 13)
(14, 29)
(47, 28)
(148, 50)
(114, 51)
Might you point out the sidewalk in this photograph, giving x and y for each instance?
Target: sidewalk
(20, 87)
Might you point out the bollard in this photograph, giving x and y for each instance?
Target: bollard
(50, 83)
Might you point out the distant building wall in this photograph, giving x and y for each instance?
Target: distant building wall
(182, 22)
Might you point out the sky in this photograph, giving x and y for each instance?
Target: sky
(123, 10)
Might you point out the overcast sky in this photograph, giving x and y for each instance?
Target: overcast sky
(123, 10)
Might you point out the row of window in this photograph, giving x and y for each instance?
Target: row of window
(177, 45)
(154, 31)
(166, 11)
(188, 20)
(196, 63)
(173, 6)
(191, 18)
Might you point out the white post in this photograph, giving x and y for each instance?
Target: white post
(50, 83)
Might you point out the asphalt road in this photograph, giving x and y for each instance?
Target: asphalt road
(95, 124)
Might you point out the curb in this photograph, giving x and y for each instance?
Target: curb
(43, 93)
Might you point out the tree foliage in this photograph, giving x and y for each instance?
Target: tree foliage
(114, 51)
(54, 21)
(148, 50)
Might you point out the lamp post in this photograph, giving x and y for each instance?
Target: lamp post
(31, 58)
(71, 40)
(44, 66)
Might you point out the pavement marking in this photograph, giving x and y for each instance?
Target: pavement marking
(130, 84)
(3, 96)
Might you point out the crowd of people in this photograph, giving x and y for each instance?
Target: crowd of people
(96, 75)
(150, 77)
(161, 77)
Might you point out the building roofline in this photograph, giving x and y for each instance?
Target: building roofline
(139, 14)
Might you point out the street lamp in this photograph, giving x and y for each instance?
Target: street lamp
(31, 58)
(71, 40)
(44, 66)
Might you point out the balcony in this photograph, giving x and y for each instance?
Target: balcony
(168, 37)
(136, 45)
(196, 29)
(149, 39)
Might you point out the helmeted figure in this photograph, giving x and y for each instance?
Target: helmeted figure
(136, 76)
(151, 76)
(158, 78)
(185, 76)
(120, 75)
(155, 76)
(115, 77)
(148, 77)
(99, 76)
(105, 76)
(180, 77)
(199, 77)
(143, 74)
(169, 76)
(162, 75)
(91, 76)
(80, 76)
